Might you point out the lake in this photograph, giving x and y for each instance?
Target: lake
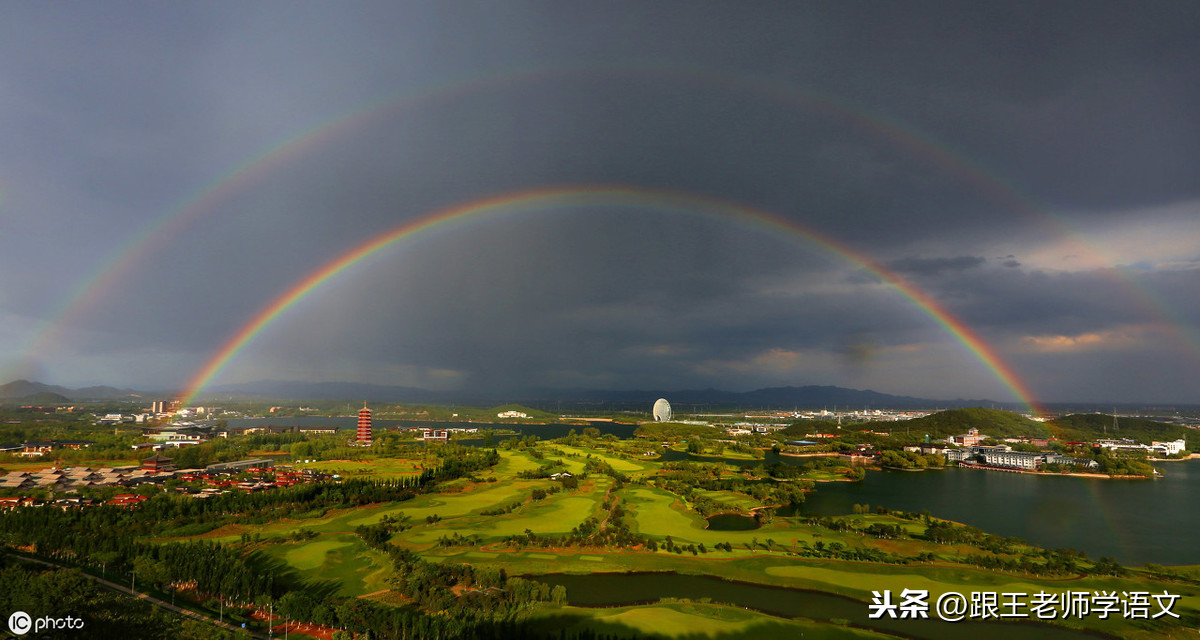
(1134, 521)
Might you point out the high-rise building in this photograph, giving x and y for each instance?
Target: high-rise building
(364, 427)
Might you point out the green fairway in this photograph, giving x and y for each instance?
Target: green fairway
(617, 463)
(695, 620)
(312, 555)
(514, 462)
(340, 559)
(734, 500)
(378, 467)
(449, 505)
(554, 516)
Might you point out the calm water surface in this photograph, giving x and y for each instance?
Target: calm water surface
(1134, 521)
(614, 589)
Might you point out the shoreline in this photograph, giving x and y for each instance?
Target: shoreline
(1103, 476)
(1193, 456)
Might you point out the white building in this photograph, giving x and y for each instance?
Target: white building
(662, 410)
(512, 414)
(1168, 448)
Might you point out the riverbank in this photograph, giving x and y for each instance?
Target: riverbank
(973, 465)
(1193, 456)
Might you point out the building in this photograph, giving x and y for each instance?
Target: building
(1168, 448)
(157, 464)
(435, 435)
(662, 410)
(363, 437)
(512, 414)
(969, 439)
(1004, 456)
(239, 466)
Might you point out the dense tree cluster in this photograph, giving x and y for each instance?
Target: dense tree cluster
(683, 479)
(910, 460)
(105, 614)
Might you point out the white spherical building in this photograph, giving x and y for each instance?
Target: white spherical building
(662, 410)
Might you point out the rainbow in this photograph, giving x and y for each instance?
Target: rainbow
(544, 198)
(161, 231)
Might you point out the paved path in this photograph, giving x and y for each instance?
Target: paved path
(148, 598)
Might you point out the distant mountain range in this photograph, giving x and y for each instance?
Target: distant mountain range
(39, 393)
(690, 400)
(686, 400)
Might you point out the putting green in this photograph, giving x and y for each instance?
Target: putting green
(312, 555)
(342, 559)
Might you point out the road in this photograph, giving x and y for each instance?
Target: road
(148, 598)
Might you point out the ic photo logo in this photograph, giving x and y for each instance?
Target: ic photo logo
(21, 623)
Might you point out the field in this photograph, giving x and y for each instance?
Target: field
(340, 560)
(380, 468)
(699, 620)
(45, 462)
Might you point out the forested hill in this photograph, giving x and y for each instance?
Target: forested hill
(1091, 426)
(990, 422)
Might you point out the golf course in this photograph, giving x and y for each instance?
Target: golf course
(606, 524)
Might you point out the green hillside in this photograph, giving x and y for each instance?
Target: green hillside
(668, 430)
(1092, 426)
(533, 414)
(990, 422)
(43, 398)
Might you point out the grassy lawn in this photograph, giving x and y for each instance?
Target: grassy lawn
(692, 620)
(618, 463)
(733, 499)
(553, 516)
(338, 558)
(450, 505)
(514, 462)
(381, 468)
(46, 462)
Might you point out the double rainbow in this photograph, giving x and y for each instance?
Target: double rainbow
(612, 195)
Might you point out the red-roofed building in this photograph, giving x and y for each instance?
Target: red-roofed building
(127, 500)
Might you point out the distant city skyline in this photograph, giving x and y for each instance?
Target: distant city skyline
(478, 197)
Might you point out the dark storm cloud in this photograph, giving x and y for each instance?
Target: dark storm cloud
(923, 137)
(934, 266)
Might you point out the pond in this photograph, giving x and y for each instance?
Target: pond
(617, 589)
(732, 522)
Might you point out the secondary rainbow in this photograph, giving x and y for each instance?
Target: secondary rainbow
(539, 199)
(161, 231)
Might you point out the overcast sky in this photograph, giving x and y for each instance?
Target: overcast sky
(1034, 168)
